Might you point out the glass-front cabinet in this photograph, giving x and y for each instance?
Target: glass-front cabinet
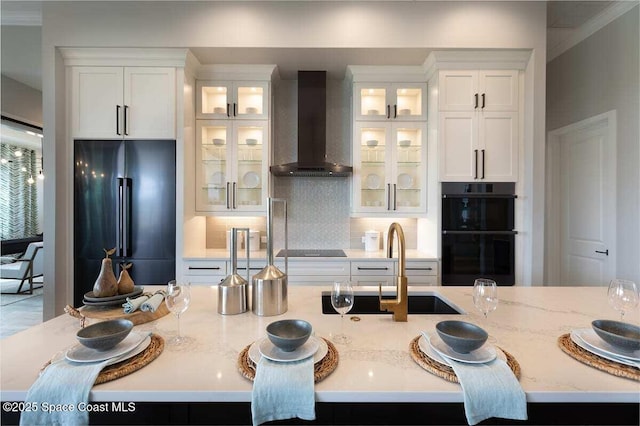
(232, 166)
(232, 99)
(390, 172)
(390, 101)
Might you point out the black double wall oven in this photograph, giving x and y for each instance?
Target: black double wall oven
(478, 236)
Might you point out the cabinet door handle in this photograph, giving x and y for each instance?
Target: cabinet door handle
(202, 268)
(228, 196)
(361, 268)
(483, 96)
(118, 120)
(388, 196)
(235, 111)
(482, 164)
(419, 269)
(395, 111)
(235, 206)
(475, 175)
(126, 121)
(476, 103)
(606, 252)
(388, 111)
(228, 110)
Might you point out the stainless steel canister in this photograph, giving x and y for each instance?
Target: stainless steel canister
(269, 292)
(233, 291)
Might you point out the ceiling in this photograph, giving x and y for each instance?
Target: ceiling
(21, 57)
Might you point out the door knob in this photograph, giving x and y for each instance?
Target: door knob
(606, 252)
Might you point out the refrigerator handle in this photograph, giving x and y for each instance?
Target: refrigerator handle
(119, 219)
(126, 218)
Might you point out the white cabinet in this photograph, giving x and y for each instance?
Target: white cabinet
(374, 273)
(390, 101)
(478, 90)
(232, 166)
(232, 99)
(478, 126)
(123, 102)
(204, 271)
(390, 168)
(421, 272)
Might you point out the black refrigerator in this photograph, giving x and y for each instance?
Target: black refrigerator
(124, 198)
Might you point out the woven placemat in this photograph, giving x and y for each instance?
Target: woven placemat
(584, 356)
(445, 371)
(321, 369)
(128, 366)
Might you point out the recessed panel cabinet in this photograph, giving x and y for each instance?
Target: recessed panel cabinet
(478, 126)
(232, 166)
(478, 90)
(390, 174)
(123, 102)
(232, 100)
(390, 101)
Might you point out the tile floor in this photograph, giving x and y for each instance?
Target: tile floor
(19, 312)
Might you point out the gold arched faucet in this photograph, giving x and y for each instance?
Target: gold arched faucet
(399, 305)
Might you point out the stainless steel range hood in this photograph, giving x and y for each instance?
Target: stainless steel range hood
(312, 131)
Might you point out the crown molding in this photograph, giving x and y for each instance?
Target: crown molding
(141, 57)
(235, 72)
(476, 59)
(602, 19)
(374, 73)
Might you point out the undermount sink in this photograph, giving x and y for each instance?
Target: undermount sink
(367, 303)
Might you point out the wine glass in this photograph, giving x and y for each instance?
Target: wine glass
(485, 295)
(623, 296)
(177, 299)
(342, 302)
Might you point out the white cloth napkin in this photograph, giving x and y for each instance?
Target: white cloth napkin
(153, 303)
(490, 390)
(283, 390)
(132, 305)
(66, 383)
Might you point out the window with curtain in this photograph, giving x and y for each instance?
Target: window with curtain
(18, 192)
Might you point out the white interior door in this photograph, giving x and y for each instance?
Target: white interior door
(587, 205)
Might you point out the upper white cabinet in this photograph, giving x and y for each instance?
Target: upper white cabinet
(478, 90)
(123, 102)
(232, 166)
(390, 101)
(233, 133)
(390, 173)
(389, 105)
(232, 100)
(478, 125)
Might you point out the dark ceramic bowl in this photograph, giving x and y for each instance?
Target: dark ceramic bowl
(289, 335)
(462, 337)
(618, 334)
(104, 335)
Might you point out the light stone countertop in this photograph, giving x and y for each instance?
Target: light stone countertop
(352, 254)
(375, 367)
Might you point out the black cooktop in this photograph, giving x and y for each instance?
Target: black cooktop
(311, 253)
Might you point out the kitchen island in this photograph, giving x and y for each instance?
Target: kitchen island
(375, 371)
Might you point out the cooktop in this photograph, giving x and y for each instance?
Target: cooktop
(312, 253)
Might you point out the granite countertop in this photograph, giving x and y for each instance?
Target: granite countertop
(375, 367)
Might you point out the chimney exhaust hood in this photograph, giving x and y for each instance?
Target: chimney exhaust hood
(312, 131)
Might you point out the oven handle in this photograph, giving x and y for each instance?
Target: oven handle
(445, 232)
(478, 195)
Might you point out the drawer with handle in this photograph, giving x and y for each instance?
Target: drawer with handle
(205, 267)
(373, 268)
